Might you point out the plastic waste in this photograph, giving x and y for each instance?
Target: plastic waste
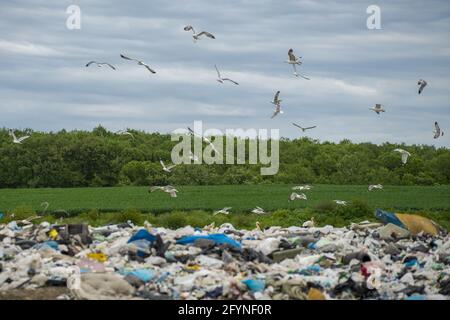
(254, 285)
(218, 238)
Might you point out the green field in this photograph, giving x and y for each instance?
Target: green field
(240, 197)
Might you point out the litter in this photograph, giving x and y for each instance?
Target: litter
(218, 238)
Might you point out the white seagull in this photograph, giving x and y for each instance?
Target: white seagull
(422, 84)
(204, 139)
(437, 131)
(167, 169)
(378, 108)
(405, 154)
(276, 101)
(295, 196)
(168, 189)
(375, 186)
(125, 132)
(139, 62)
(15, 139)
(340, 202)
(196, 36)
(309, 223)
(224, 211)
(293, 60)
(100, 64)
(303, 129)
(221, 80)
(258, 210)
(301, 188)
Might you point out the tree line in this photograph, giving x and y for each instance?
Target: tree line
(103, 158)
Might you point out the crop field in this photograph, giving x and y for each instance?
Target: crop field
(241, 197)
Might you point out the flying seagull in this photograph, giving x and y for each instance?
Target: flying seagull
(422, 84)
(141, 63)
(204, 139)
(167, 169)
(405, 154)
(168, 189)
(437, 131)
(303, 129)
(301, 188)
(276, 102)
(196, 36)
(378, 108)
(224, 211)
(375, 186)
(295, 196)
(258, 210)
(340, 202)
(100, 64)
(294, 61)
(221, 80)
(125, 132)
(15, 139)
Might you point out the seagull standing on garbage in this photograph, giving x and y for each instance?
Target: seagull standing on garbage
(378, 108)
(437, 131)
(375, 186)
(309, 224)
(139, 62)
(17, 140)
(294, 61)
(167, 169)
(221, 80)
(303, 129)
(168, 189)
(224, 211)
(196, 36)
(340, 202)
(258, 210)
(295, 196)
(422, 84)
(100, 64)
(405, 154)
(301, 188)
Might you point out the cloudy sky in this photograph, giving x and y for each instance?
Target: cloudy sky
(45, 86)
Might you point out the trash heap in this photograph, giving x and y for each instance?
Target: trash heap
(362, 261)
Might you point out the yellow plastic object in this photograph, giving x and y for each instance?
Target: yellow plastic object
(53, 234)
(417, 224)
(194, 267)
(315, 294)
(100, 257)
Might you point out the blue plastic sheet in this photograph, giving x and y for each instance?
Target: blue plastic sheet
(143, 274)
(388, 217)
(254, 285)
(142, 235)
(47, 244)
(218, 238)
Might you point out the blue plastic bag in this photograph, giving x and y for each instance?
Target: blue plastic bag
(143, 274)
(1, 215)
(142, 235)
(218, 238)
(254, 285)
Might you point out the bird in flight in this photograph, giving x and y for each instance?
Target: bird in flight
(17, 140)
(168, 189)
(437, 131)
(100, 64)
(167, 169)
(301, 188)
(204, 139)
(375, 186)
(221, 80)
(422, 84)
(139, 62)
(378, 108)
(258, 210)
(294, 61)
(303, 129)
(276, 101)
(340, 202)
(196, 36)
(224, 211)
(125, 132)
(405, 154)
(295, 196)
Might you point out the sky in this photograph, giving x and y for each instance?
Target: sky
(44, 84)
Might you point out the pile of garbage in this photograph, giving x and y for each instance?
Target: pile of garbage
(394, 259)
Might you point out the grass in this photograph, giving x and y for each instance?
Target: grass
(194, 204)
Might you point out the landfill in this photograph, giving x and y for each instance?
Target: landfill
(366, 260)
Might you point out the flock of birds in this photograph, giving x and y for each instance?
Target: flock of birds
(294, 61)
